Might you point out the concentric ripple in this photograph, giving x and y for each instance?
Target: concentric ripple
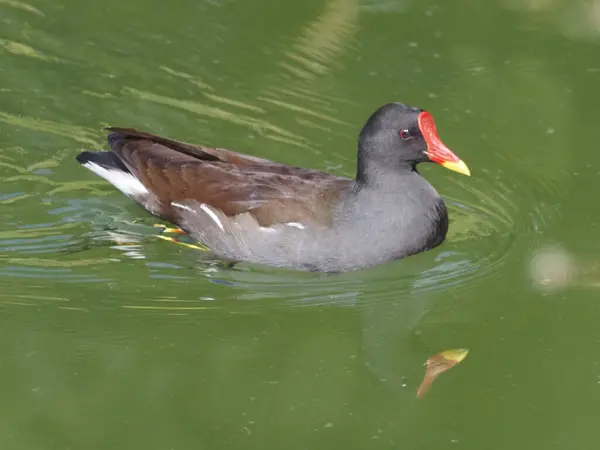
(488, 219)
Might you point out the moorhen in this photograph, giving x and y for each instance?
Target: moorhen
(245, 208)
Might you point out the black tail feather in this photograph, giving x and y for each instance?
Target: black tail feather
(108, 160)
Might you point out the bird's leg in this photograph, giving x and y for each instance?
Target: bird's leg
(185, 244)
(166, 229)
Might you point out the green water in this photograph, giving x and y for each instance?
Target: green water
(113, 339)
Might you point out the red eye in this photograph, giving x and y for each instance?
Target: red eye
(404, 134)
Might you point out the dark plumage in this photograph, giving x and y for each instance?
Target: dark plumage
(251, 209)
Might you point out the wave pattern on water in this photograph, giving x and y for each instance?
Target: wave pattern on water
(84, 231)
(485, 226)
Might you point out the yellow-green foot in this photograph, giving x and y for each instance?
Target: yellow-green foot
(166, 229)
(185, 244)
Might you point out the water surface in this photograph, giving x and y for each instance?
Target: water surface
(113, 339)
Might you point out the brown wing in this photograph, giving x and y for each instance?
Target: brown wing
(231, 182)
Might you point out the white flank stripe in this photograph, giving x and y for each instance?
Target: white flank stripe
(204, 208)
(268, 229)
(180, 206)
(295, 225)
(212, 215)
(123, 181)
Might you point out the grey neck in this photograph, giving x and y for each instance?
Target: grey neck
(371, 175)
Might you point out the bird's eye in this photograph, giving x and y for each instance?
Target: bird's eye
(404, 134)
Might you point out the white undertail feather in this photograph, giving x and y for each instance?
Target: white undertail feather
(123, 181)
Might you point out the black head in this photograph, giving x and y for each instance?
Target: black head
(398, 137)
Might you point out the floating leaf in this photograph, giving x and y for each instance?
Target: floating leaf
(438, 364)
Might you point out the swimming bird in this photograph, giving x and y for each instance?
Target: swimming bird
(245, 208)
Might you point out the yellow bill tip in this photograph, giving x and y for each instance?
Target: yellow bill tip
(457, 166)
